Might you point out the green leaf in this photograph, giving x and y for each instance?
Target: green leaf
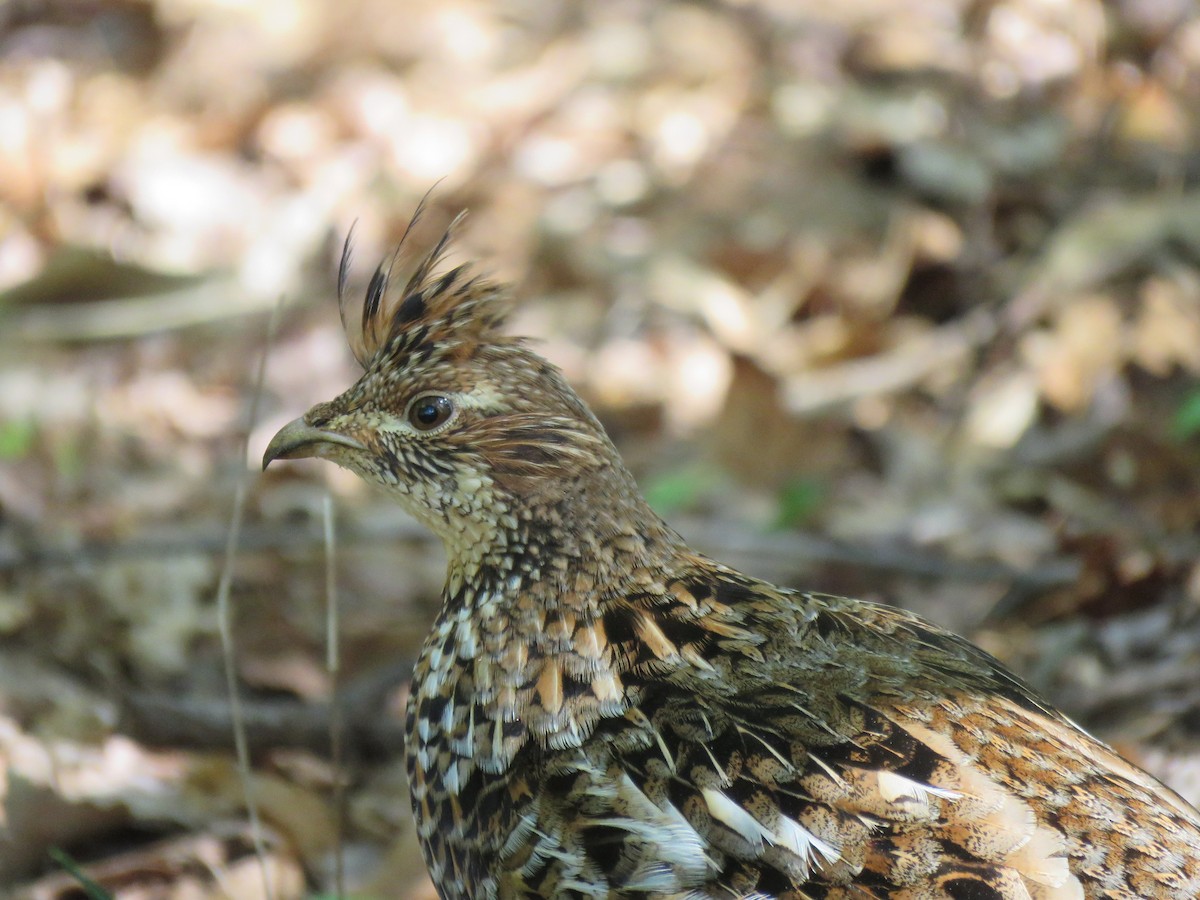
(799, 501)
(1187, 418)
(680, 488)
(16, 438)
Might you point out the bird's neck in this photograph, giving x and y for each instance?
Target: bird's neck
(545, 573)
(554, 545)
(522, 633)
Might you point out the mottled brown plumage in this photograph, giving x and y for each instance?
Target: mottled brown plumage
(599, 711)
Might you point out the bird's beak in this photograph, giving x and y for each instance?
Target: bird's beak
(297, 439)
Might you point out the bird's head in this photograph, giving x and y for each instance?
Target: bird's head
(471, 430)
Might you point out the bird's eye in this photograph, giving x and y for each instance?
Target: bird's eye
(428, 412)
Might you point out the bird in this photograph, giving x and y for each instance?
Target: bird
(600, 711)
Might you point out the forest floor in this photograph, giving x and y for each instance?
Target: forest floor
(898, 300)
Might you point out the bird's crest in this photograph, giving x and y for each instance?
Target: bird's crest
(448, 308)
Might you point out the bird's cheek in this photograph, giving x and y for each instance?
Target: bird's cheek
(370, 463)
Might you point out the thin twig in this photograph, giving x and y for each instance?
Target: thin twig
(166, 541)
(206, 301)
(200, 721)
(336, 730)
(225, 617)
(783, 550)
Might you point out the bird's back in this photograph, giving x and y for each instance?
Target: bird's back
(773, 744)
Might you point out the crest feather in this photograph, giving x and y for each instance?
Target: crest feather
(434, 307)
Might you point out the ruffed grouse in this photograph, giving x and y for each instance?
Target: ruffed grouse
(600, 711)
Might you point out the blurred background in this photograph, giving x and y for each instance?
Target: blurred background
(896, 299)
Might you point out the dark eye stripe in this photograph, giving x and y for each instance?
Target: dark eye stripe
(428, 412)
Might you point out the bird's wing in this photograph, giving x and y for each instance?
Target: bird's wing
(843, 759)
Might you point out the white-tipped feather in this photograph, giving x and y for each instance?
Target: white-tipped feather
(735, 818)
(791, 834)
